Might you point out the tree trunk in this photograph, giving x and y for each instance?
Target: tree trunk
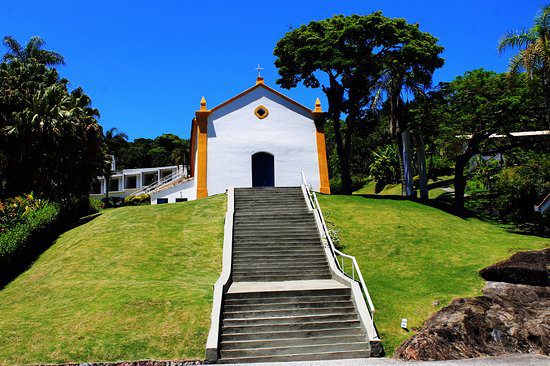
(460, 181)
(421, 163)
(406, 173)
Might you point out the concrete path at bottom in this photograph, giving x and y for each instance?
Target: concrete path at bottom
(519, 360)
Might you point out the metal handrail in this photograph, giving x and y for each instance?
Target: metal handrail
(355, 270)
(151, 187)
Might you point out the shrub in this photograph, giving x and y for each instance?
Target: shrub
(95, 205)
(518, 189)
(385, 167)
(142, 199)
(15, 210)
(112, 201)
(28, 238)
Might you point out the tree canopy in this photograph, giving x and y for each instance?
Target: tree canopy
(348, 57)
(50, 139)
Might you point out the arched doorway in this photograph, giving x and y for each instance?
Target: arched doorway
(263, 170)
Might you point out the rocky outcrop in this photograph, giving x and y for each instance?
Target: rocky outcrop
(508, 318)
(528, 268)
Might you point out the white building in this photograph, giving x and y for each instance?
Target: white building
(259, 138)
(126, 182)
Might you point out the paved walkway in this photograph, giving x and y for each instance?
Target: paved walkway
(521, 360)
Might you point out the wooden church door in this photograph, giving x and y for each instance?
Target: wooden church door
(263, 170)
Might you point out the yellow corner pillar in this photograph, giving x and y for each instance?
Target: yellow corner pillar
(319, 118)
(202, 144)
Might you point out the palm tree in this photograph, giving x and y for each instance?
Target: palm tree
(31, 52)
(113, 140)
(534, 51)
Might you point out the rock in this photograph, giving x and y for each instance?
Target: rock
(508, 318)
(435, 303)
(528, 268)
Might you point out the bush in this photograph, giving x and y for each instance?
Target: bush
(95, 205)
(28, 238)
(112, 201)
(142, 199)
(385, 168)
(15, 210)
(518, 189)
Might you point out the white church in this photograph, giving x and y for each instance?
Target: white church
(259, 138)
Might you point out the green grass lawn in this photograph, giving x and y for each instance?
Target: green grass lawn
(134, 283)
(412, 255)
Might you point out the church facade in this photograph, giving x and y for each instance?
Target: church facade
(259, 138)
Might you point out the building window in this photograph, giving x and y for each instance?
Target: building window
(113, 185)
(130, 182)
(181, 199)
(261, 112)
(162, 200)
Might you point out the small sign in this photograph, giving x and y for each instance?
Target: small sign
(404, 323)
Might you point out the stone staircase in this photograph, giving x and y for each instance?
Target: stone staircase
(283, 304)
(275, 237)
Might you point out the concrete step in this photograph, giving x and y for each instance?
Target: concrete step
(285, 342)
(289, 326)
(285, 299)
(286, 294)
(275, 241)
(281, 273)
(291, 334)
(273, 235)
(286, 312)
(285, 262)
(287, 305)
(291, 251)
(274, 257)
(314, 356)
(283, 245)
(294, 350)
(242, 267)
(278, 278)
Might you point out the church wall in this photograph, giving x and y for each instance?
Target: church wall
(235, 133)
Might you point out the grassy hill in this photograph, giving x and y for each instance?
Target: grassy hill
(136, 282)
(133, 283)
(413, 256)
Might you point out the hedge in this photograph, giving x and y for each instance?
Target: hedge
(22, 243)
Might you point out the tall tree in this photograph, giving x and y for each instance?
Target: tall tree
(32, 52)
(346, 56)
(469, 110)
(408, 69)
(50, 141)
(114, 142)
(534, 52)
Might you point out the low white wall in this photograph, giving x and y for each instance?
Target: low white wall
(183, 190)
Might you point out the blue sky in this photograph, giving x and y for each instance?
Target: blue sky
(146, 64)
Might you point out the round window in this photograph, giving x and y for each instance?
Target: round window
(261, 112)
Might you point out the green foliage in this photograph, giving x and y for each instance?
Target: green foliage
(95, 205)
(15, 210)
(518, 189)
(142, 199)
(22, 241)
(385, 167)
(166, 149)
(50, 140)
(459, 117)
(354, 55)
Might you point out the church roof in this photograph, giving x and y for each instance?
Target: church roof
(260, 84)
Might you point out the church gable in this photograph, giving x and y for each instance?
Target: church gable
(257, 95)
